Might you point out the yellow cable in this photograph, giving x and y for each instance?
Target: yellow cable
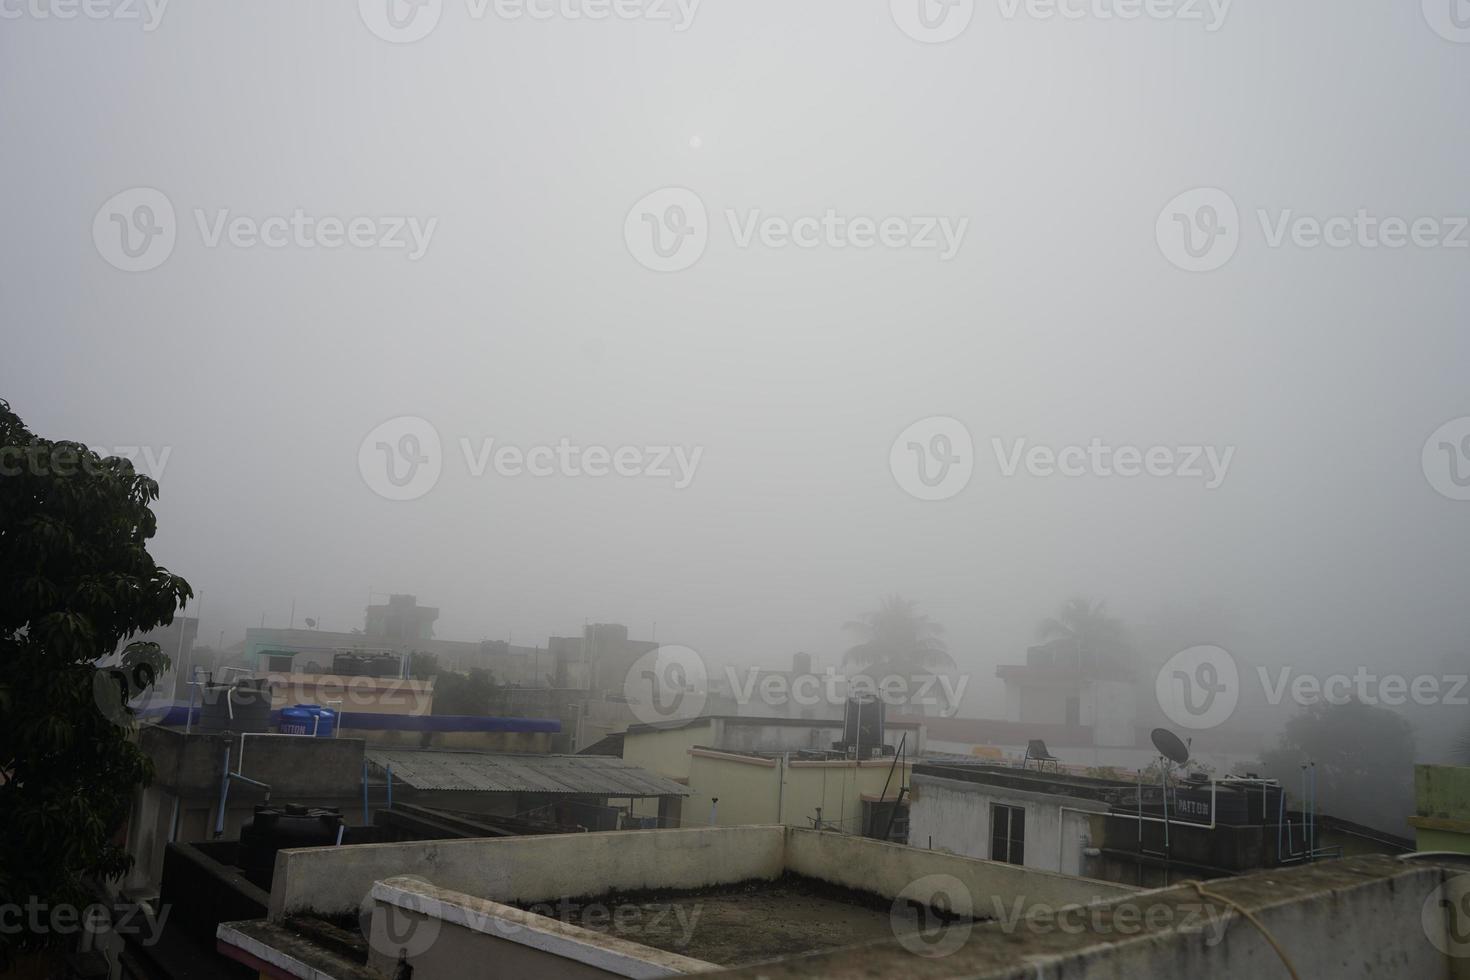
(1199, 887)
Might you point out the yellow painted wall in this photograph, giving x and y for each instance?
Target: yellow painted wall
(750, 792)
(838, 789)
(666, 752)
(746, 790)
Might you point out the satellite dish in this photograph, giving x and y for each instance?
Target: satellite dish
(1170, 746)
(310, 623)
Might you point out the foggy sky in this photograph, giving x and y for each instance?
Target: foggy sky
(528, 321)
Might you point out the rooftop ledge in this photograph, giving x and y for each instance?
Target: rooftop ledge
(1359, 917)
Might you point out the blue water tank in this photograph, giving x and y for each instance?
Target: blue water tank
(308, 719)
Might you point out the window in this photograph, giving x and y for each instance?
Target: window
(1007, 833)
(279, 663)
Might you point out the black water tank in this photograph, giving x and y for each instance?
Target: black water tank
(346, 665)
(276, 827)
(383, 666)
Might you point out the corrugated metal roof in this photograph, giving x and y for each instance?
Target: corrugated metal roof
(485, 772)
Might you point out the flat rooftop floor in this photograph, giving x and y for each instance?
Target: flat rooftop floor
(742, 924)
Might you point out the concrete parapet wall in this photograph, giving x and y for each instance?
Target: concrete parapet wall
(524, 870)
(470, 938)
(332, 880)
(887, 869)
(1354, 919)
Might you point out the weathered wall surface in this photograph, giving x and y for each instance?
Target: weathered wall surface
(294, 765)
(1356, 919)
(888, 869)
(462, 937)
(332, 880)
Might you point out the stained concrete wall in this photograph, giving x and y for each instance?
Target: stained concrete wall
(294, 765)
(452, 935)
(521, 870)
(887, 869)
(1357, 919)
(332, 880)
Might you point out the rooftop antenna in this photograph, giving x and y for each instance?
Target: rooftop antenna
(1176, 751)
(1170, 746)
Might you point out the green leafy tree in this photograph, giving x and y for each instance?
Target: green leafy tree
(897, 638)
(76, 580)
(422, 666)
(1084, 629)
(1364, 756)
(464, 694)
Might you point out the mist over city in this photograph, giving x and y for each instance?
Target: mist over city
(1092, 372)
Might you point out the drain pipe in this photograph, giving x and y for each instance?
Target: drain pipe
(1306, 820)
(1311, 839)
(224, 791)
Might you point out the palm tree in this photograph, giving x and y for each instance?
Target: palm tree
(1085, 630)
(898, 638)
